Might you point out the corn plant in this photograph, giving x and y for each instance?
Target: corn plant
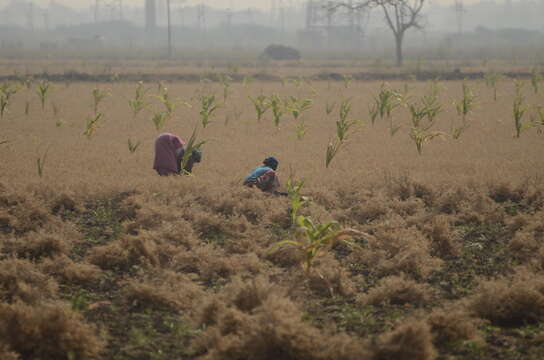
(277, 109)
(519, 110)
(296, 198)
(226, 81)
(261, 105)
(332, 149)
(40, 161)
(343, 125)
(300, 130)
(329, 107)
(98, 97)
(540, 119)
(536, 78)
(138, 103)
(464, 108)
(4, 102)
(44, 88)
(92, 124)
(384, 104)
(247, 81)
(491, 80)
(159, 119)
(347, 80)
(208, 107)
(422, 135)
(314, 239)
(133, 146)
(167, 101)
(297, 106)
(191, 146)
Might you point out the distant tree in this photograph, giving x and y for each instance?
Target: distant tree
(280, 52)
(400, 15)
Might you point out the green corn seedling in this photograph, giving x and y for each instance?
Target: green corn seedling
(40, 161)
(261, 105)
(329, 107)
(536, 78)
(297, 106)
(343, 125)
(208, 107)
(226, 82)
(296, 198)
(138, 103)
(164, 98)
(133, 146)
(247, 81)
(519, 110)
(98, 97)
(540, 121)
(92, 124)
(191, 145)
(347, 80)
(7, 90)
(300, 130)
(314, 239)
(464, 108)
(420, 136)
(159, 119)
(277, 109)
(332, 149)
(491, 80)
(44, 88)
(4, 102)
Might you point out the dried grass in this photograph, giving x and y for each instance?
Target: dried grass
(20, 280)
(409, 341)
(398, 290)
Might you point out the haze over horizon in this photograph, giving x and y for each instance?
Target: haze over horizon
(234, 4)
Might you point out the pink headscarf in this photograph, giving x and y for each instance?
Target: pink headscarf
(165, 153)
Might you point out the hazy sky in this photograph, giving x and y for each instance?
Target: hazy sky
(264, 4)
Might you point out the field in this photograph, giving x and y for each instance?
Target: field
(102, 259)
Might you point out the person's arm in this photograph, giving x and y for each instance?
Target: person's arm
(179, 159)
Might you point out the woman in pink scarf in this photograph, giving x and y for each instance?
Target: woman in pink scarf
(169, 151)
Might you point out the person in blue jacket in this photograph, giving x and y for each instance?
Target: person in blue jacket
(264, 177)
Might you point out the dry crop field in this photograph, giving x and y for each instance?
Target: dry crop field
(102, 259)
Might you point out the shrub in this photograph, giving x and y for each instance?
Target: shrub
(451, 325)
(329, 278)
(165, 289)
(510, 302)
(21, 280)
(397, 290)
(409, 341)
(444, 241)
(48, 332)
(280, 52)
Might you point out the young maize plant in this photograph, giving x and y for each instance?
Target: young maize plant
(347, 80)
(7, 90)
(164, 98)
(44, 88)
(297, 106)
(343, 125)
(464, 108)
(519, 110)
(300, 130)
(191, 145)
(133, 146)
(226, 82)
(92, 124)
(536, 78)
(384, 104)
(138, 103)
(247, 81)
(491, 80)
(420, 136)
(329, 108)
(540, 121)
(208, 107)
(314, 240)
(261, 105)
(427, 109)
(40, 160)
(296, 198)
(98, 97)
(159, 119)
(276, 105)
(332, 149)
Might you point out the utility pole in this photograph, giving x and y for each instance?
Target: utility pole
(459, 11)
(169, 28)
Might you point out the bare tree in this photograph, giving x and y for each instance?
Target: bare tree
(400, 15)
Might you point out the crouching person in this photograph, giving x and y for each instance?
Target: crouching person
(264, 177)
(169, 153)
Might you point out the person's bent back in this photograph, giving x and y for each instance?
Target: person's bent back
(169, 153)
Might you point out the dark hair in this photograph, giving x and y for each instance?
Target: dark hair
(271, 162)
